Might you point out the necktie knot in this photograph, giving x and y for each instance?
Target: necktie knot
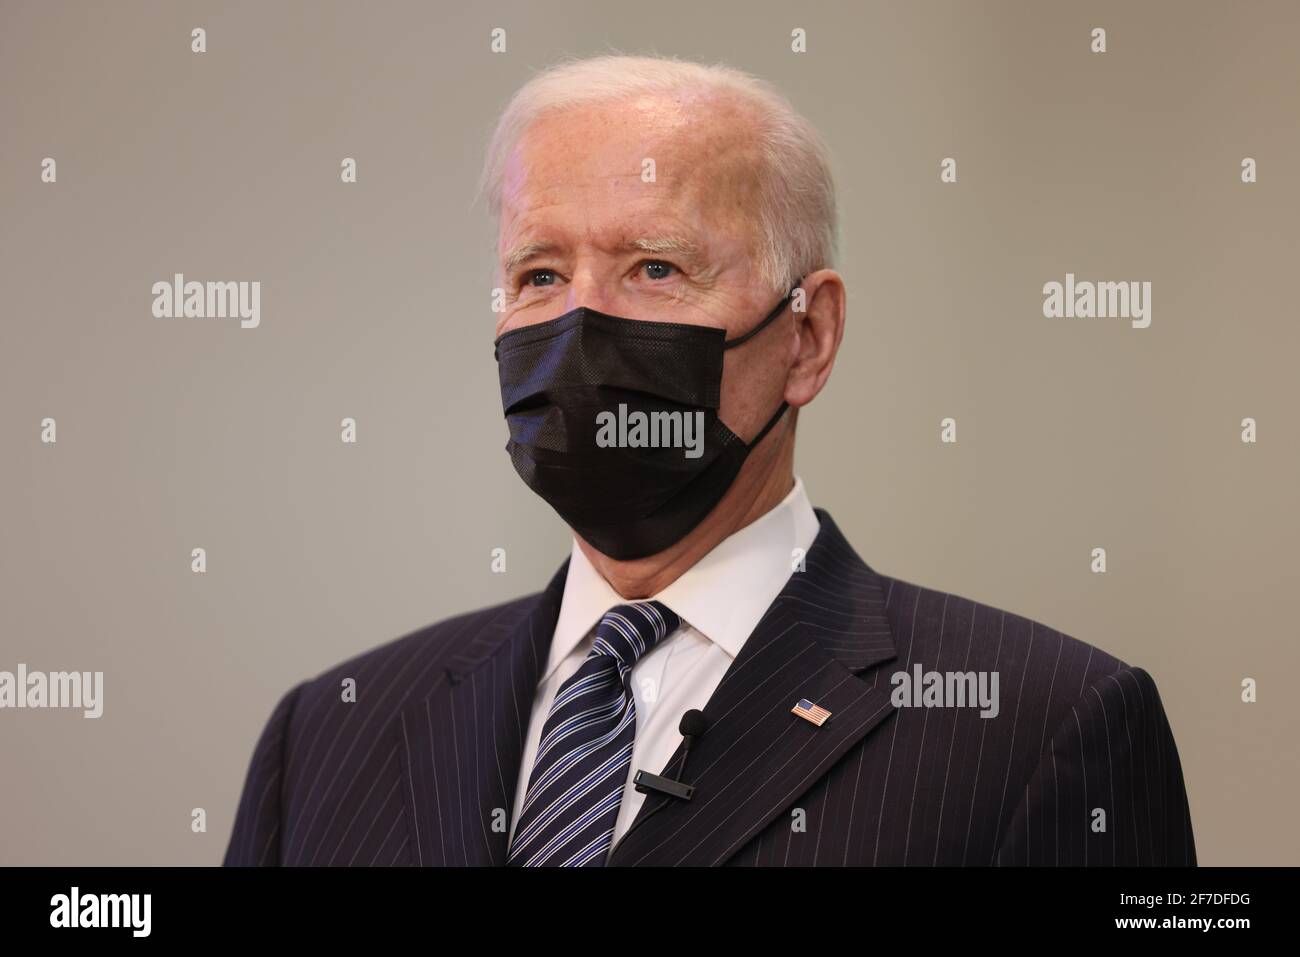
(626, 632)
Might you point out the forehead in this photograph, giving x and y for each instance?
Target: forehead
(587, 167)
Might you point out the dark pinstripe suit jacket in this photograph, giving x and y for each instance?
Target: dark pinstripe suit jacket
(422, 768)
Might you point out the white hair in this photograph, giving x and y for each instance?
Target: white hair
(795, 216)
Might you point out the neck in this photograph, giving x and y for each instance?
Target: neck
(765, 479)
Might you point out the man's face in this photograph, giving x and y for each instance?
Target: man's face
(582, 224)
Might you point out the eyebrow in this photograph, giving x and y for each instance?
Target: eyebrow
(523, 252)
(670, 244)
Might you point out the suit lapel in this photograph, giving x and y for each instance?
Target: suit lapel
(826, 627)
(463, 742)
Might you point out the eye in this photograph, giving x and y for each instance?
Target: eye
(534, 274)
(658, 269)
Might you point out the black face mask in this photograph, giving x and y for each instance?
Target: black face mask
(614, 422)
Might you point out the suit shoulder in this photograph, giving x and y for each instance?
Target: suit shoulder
(1042, 675)
(388, 673)
(927, 622)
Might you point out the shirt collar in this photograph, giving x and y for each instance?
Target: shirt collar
(722, 596)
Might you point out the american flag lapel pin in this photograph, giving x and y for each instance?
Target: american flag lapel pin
(811, 712)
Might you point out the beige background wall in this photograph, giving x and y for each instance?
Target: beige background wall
(175, 434)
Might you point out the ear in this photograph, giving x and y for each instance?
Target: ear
(818, 331)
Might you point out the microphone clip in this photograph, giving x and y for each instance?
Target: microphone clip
(645, 782)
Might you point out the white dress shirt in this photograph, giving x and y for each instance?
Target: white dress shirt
(720, 600)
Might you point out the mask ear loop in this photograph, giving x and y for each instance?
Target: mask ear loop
(770, 423)
(771, 317)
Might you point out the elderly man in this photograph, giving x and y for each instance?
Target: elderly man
(714, 676)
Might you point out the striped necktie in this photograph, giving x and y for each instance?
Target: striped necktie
(578, 776)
